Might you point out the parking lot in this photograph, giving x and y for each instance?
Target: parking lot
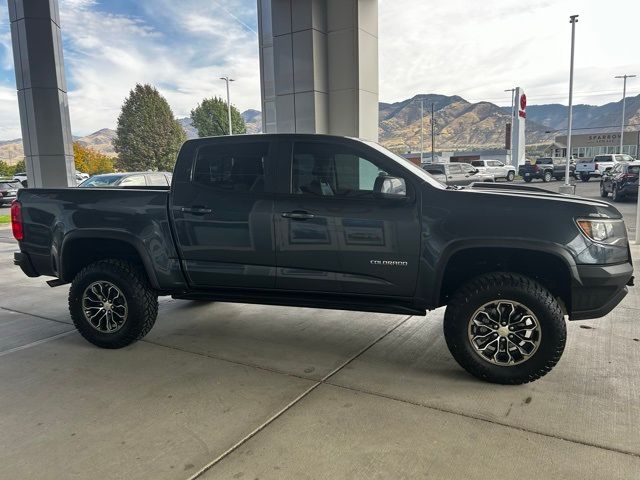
(220, 390)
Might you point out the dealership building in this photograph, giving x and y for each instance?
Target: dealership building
(588, 145)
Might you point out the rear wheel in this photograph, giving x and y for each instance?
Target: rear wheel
(112, 304)
(527, 179)
(510, 176)
(505, 328)
(615, 194)
(585, 177)
(603, 192)
(547, 177)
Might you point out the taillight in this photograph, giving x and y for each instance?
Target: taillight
(16, 220)
(536, 168)
(596, 166)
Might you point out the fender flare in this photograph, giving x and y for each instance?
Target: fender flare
(111, 234)
(457, 246)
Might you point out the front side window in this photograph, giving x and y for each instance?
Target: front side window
(335, 171)
(238, 168)
(454, 169)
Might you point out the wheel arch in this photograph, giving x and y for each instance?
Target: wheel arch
(466, 259)
(99, 244)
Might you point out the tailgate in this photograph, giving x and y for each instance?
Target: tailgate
(585, 167)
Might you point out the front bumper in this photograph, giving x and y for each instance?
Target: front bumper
(602, 288)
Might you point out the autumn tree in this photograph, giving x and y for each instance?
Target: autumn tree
(211, 118)
(5, 169)
(91, 161)
(148, 136)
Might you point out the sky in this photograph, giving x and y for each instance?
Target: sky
(472, 48)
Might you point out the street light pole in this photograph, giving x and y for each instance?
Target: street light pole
(624, 98)
(433, 136)
(421, 129)
(573, 19)
(227, 80)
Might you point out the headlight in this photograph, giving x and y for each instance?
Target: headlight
(609, 232)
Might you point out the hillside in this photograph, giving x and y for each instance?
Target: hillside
(586, 116)
(459, 124)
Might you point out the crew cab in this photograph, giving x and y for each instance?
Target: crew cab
(545, 169)
(331, 222)
(599, 164)
(496, 168)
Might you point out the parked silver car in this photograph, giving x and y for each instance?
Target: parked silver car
(457, 173)
(496, 168)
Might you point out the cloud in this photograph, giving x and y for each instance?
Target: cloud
(180, 47)
(462, 47)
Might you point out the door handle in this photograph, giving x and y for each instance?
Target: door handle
(196, 210)
(298, 215)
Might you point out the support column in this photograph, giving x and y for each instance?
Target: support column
(42, 92)
(319, 66)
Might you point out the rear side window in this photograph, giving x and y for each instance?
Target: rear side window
(634, 169)
(602, 158)
(434, 169)
(480, 163)
(238, 167)
(133, 180)
(455, 169)
(157, 180)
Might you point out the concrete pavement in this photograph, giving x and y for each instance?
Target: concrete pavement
(246, 391)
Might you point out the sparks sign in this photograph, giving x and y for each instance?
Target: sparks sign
(523, 106)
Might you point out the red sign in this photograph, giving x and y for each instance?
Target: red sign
(523, 106)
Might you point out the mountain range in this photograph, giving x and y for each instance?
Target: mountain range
(459, 124)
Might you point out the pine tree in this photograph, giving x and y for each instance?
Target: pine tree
(211, 118)
(148, 136)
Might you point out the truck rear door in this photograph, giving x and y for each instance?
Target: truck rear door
(222, 206)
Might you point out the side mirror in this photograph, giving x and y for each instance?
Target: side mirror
(390, 187)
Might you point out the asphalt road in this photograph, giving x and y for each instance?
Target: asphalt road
(591, 190)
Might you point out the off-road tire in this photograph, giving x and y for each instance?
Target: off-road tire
(603, 192)
(547, 177)
(517, 288)
(527, 179)
(510, 176)
(142, 302)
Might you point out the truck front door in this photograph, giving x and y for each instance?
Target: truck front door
(223, 215)
(337, 230)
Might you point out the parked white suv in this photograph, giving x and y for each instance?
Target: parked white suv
(595, 167)
(495, 168)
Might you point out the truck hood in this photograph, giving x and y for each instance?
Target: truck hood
(534, 193)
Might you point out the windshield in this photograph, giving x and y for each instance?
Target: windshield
(10, 185)
(101, 181)
(408, 165)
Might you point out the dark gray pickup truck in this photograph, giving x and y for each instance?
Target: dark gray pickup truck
(330, 222)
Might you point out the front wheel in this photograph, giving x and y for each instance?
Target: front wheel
(505, 328)
(547, 177)
(510, 176)
(112, 304)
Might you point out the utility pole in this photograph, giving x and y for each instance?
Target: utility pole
(624, 98)
(573, 19)
(227, 80)
(433, 136)
(421, 129)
